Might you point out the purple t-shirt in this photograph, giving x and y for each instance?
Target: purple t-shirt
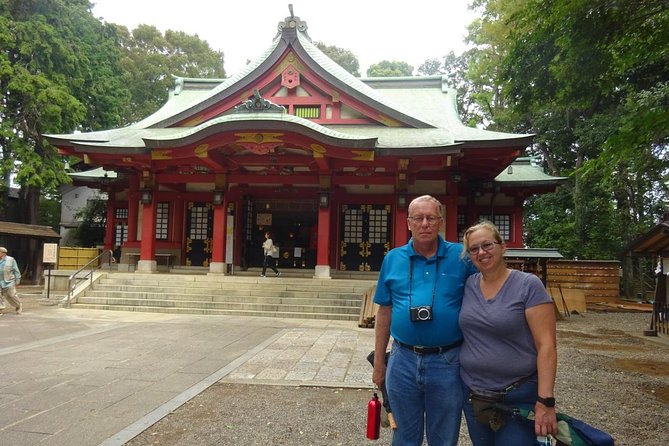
(498, 346)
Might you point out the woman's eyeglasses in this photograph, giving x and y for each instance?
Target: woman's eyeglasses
(485, 246)
(419, 219)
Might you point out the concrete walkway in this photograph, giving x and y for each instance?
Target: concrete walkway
(86, 377)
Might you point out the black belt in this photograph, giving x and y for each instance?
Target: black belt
(518, 383)
(429, 350)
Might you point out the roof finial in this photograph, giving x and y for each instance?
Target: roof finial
(290, 8)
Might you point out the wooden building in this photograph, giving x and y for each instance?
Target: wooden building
(655, 244)
(296, 145)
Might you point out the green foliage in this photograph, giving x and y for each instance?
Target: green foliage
(56, 57)
(589, 78)
(387, 68)
(343, 57)
(91, 231)
(49, 212)
(150, 59)
(62, 70)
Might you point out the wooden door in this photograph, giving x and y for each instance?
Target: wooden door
(365, 237)
(199, 233)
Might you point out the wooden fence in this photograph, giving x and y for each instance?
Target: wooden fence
(596, 280)
(75, 258)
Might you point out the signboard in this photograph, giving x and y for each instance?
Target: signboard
(229, 238)
(264, 219)
(50, 253)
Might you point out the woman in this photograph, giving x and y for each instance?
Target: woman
(509, 354)
(269, 249)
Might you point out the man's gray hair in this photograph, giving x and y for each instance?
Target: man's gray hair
(426, 198)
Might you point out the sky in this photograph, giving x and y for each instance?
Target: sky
(374, 30)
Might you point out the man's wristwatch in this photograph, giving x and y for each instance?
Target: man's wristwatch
(548, 402)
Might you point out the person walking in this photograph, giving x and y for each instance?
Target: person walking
(269, 250)
(419, 293)
(10, 276)
(509, 354)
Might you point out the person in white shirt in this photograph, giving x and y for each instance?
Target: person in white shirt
(269, 249)
(10, 276)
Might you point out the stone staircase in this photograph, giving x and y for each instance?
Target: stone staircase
(246, 294)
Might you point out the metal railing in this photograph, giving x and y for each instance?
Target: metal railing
(75, 279)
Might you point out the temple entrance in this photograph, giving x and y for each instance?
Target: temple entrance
(365, 232)
(293, 227)
(199, 233)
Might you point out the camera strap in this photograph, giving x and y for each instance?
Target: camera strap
(434, 286)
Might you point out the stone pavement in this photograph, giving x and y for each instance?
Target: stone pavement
(86, 377)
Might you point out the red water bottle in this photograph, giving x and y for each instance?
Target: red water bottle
(373, 418)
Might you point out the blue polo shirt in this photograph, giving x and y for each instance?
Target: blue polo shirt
(446, 283)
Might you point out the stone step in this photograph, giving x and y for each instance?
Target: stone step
(289, 307)
(205, 280)
(346, 301)
(194, 287)
(220, 312)
(295, 297)
(185, 293)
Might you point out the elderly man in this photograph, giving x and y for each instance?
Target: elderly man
(419, 291)
(10, 276)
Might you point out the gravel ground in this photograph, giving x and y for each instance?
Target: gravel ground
(608, 376)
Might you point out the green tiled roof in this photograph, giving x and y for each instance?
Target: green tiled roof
(533, 253)
(526, 170)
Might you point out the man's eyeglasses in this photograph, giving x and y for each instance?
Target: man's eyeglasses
(418, 219)
(485, 246)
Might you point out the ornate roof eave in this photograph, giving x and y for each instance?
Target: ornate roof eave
(294, 37)
(141, 141)
(519, 141)
(453, 149)
(232, 87)
(351, 85)
(258, 122)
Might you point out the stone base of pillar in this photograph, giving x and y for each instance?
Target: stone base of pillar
(322, 272)
(147, 266)
(218, 268)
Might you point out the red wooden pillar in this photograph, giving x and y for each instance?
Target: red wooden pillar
(219, 236)
(451, 219)
(133, 209)
(323, 247)
(401, 227)
(148, 245)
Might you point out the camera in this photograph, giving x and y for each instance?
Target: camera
(421, 314)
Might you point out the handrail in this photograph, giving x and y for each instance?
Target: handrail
(77, 279)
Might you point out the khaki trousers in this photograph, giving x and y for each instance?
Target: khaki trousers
(9, 294)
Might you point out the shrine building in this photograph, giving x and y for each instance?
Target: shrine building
(295, 145)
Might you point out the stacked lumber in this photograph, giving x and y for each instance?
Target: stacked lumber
(368, 309)
(599, 280)
(568, 300)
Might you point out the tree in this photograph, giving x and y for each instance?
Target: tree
(387, 68)
(56, 57)
(151, 58)
(589, 78)
(91, 230)
(343, 57)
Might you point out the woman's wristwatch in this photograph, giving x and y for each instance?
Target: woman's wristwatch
(548, 402)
